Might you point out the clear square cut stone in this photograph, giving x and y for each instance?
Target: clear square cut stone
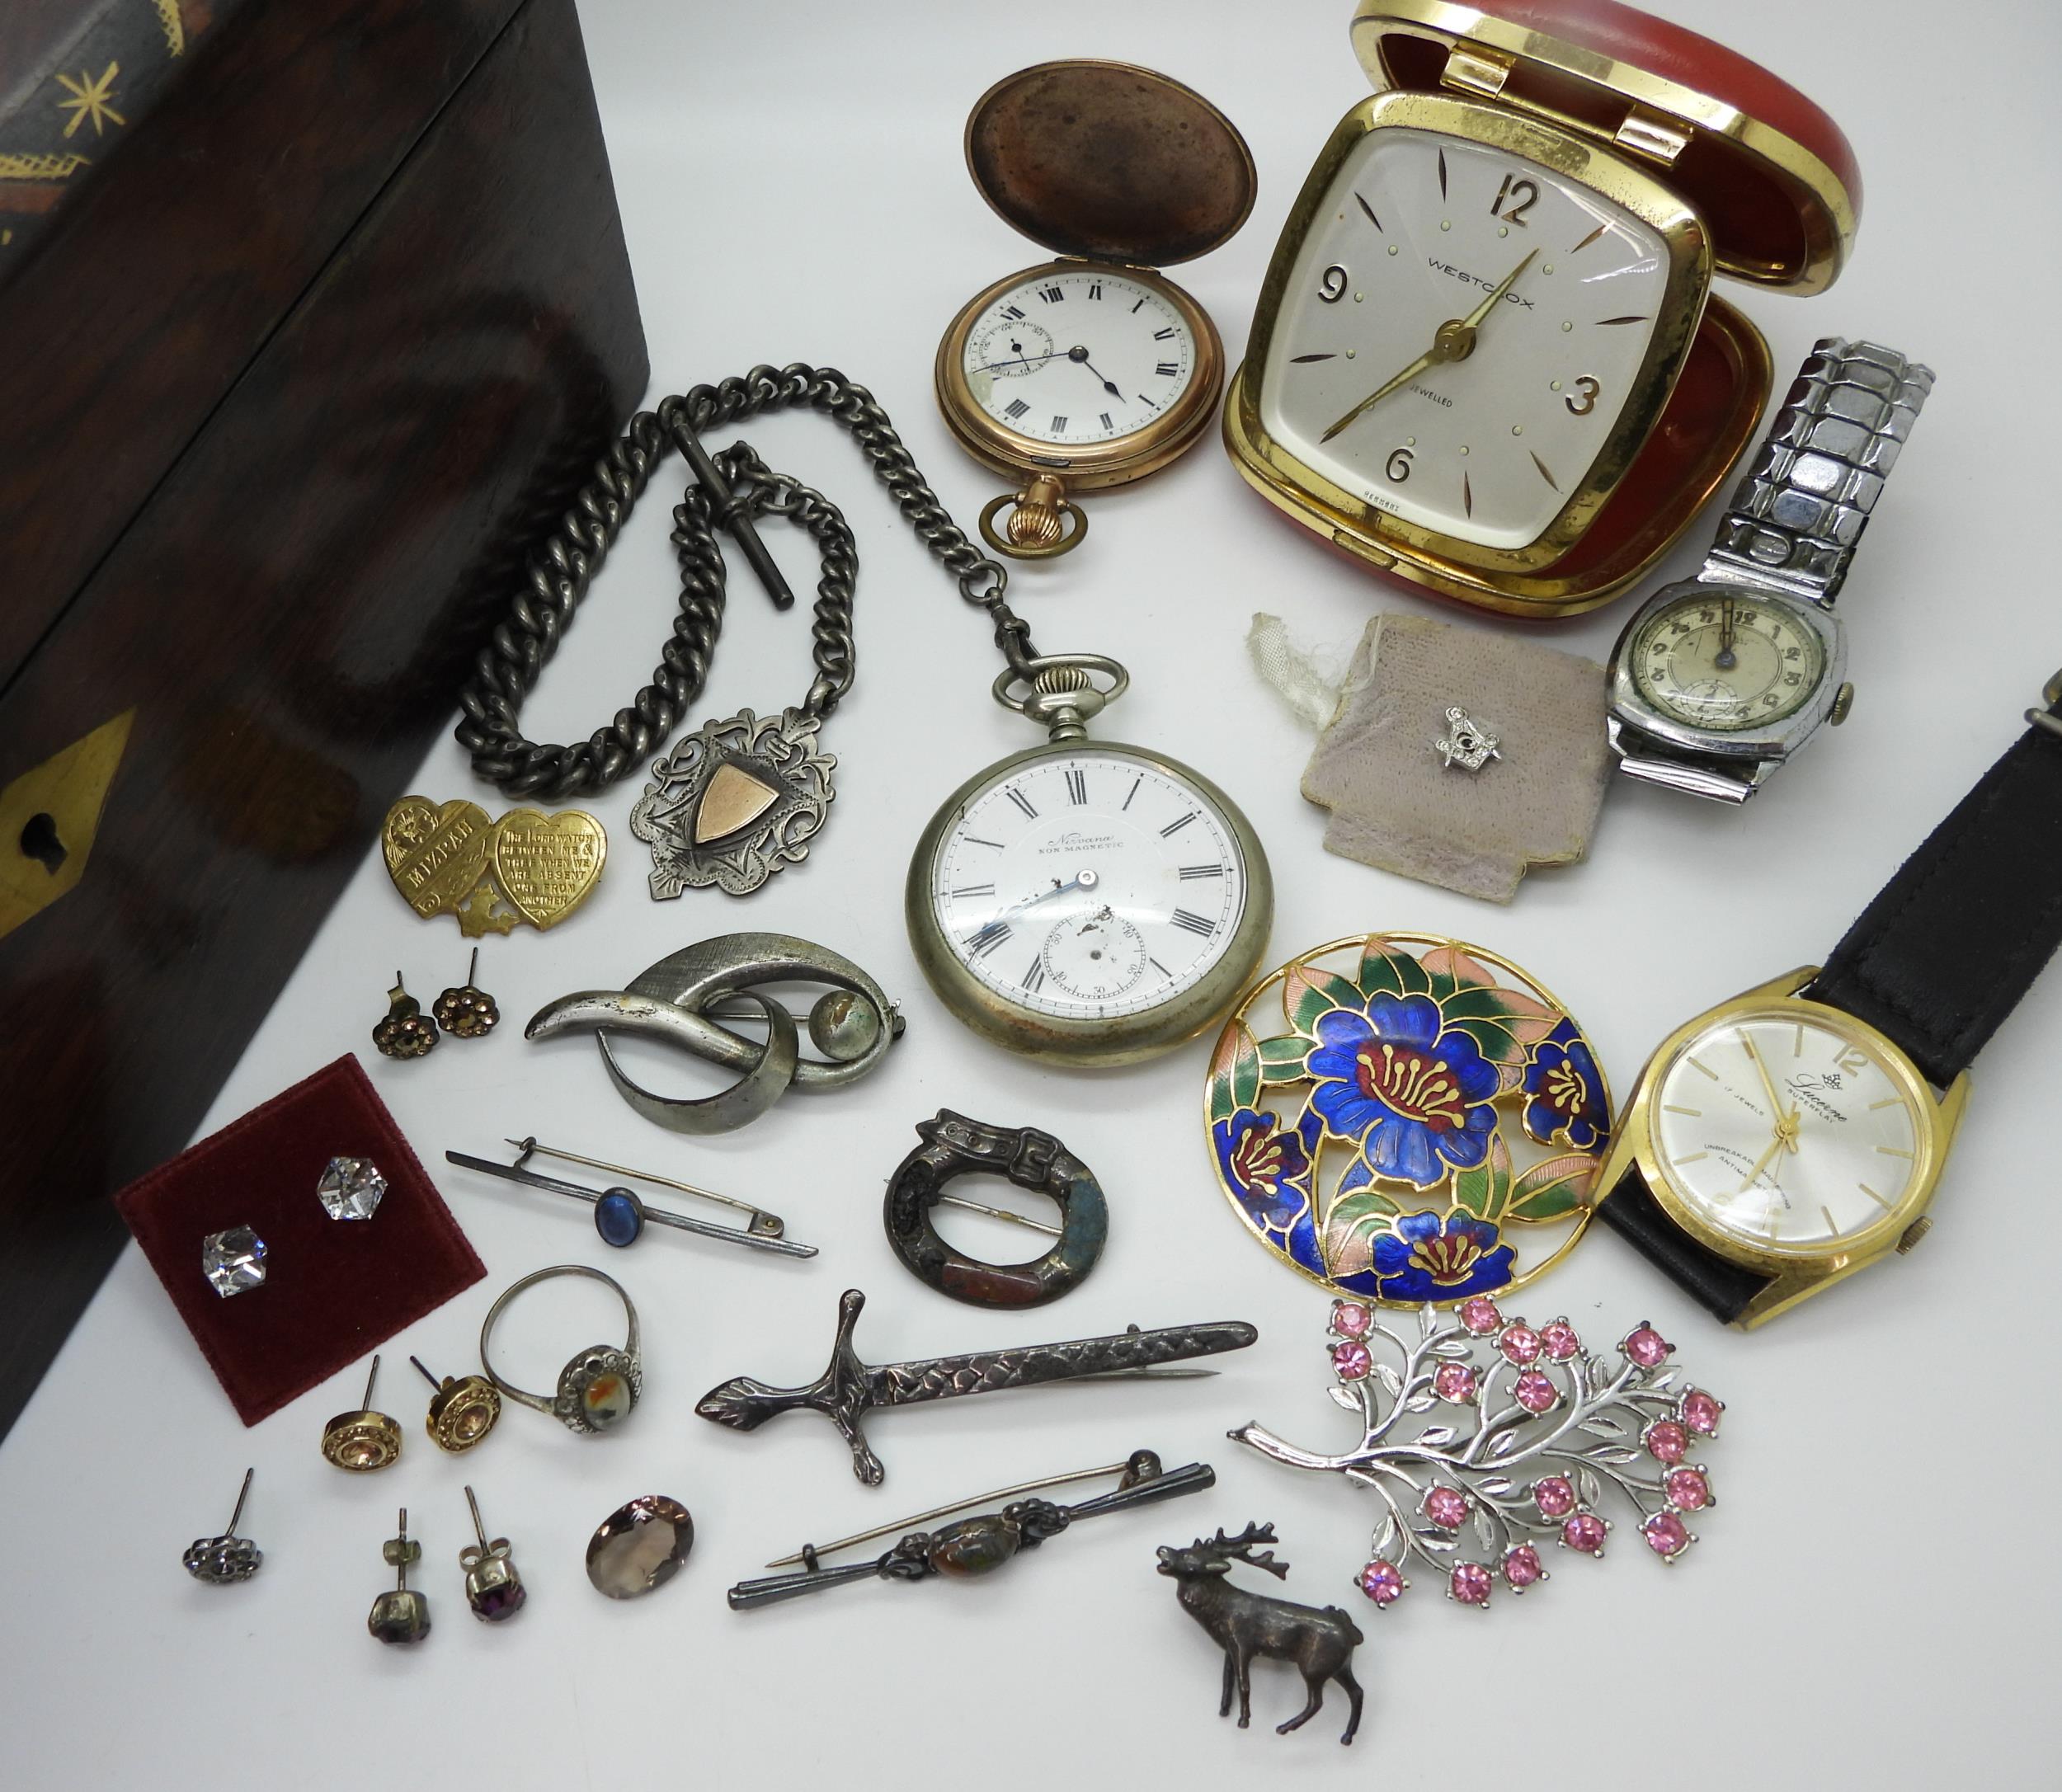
(351, 1187)
(233, 1261)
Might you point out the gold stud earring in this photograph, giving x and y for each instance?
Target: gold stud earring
(406, 1032)
(365, 1440)
(461, 1411)
(467, 1012)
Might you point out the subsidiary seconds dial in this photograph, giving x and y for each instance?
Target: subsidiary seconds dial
(1076, 359)
(1088, 884)
(1725, 661)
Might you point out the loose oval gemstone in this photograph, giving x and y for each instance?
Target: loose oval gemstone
(1454, 1381)
(1701, 1411)
(1665, 1441)
(1522, 1568)
(1351, 1320)
(1519, 1344)
(1535, 1392)
(639, 1546)
(1480, 1315)
(1646, 1347)
(1554, 1495)
(1687, 1488)
(975, 1545)
(618, 1216)
(1352, 1360)
(1584, 1532)
(1446, 1506)
(1383, 1582)
(1666, 1534)
(1559, 1340)
(1469, 1584)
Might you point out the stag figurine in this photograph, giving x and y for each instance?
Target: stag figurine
(1319, 1642)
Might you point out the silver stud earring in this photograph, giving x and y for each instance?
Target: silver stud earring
(223, 1561)
(400, 1616)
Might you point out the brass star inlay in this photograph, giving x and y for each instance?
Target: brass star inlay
(93, 97)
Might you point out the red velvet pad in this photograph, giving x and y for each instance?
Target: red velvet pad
(334, 1289)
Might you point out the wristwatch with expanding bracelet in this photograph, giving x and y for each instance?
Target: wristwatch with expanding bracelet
(1718, 679)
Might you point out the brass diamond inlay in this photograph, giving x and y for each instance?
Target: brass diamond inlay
(734, 799)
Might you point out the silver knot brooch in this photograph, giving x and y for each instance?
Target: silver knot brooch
(1489, 1439)
(682, 1000)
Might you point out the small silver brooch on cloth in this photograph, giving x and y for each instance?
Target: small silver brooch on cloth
(1466, 743)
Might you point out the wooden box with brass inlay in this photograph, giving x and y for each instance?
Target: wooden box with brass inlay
(312, 312)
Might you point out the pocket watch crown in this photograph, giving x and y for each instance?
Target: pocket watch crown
(1060, 680)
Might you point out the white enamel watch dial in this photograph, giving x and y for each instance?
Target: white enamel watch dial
(1421, 229)
(1786, 1132)
(1076, 358)
(1724, 661)
(1088, 884)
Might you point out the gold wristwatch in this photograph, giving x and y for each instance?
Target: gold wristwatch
(1797, 1133)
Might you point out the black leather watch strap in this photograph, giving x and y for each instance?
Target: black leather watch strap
(1718, 1283)
(1958, 936)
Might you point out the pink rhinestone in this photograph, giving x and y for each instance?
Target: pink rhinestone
(1478, 1315)
(1584, 1532)
(1666, 1534)
(1555, 1496)
(1470, 1584)
(1534, 1391)
(1519, 1343)
(1453, 1382)
(1701, 1411)
(1446, 1506)
(1352, 1360)
(1383, 1582)
(1665, 1441)
(1646, 1347)
(1559, 1340)
(1351, 1320)
(1521, 1567)
(1687, 1488)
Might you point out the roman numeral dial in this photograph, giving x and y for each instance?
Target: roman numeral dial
(1074, 356)
(1087, 883)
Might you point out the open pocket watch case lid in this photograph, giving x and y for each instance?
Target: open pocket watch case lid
(1609, 98)
(1108, 166)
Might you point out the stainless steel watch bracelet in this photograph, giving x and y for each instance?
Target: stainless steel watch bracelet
(1796, 517)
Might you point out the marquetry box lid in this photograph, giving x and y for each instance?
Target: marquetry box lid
(174, 174)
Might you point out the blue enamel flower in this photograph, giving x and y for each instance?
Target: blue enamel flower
(1440, 1256)
(1566, 1090)
(1268, 1168)
(1413, 1093)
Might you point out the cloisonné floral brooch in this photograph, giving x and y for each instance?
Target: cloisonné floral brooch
(1426, 1125)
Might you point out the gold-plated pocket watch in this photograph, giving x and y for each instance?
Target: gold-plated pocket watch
(1091, 370)
(1486, 359)
(1088, 903)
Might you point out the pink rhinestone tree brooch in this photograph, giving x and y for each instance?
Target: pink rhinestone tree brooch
(1541, 1428)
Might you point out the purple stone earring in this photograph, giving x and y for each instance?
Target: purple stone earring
(493, 1589)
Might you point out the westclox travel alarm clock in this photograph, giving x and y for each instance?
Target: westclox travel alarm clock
(1091, 370)
(1487, 359)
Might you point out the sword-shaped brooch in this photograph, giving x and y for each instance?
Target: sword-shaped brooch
(848, 1388)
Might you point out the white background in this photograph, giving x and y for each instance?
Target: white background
(1871, 1603)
